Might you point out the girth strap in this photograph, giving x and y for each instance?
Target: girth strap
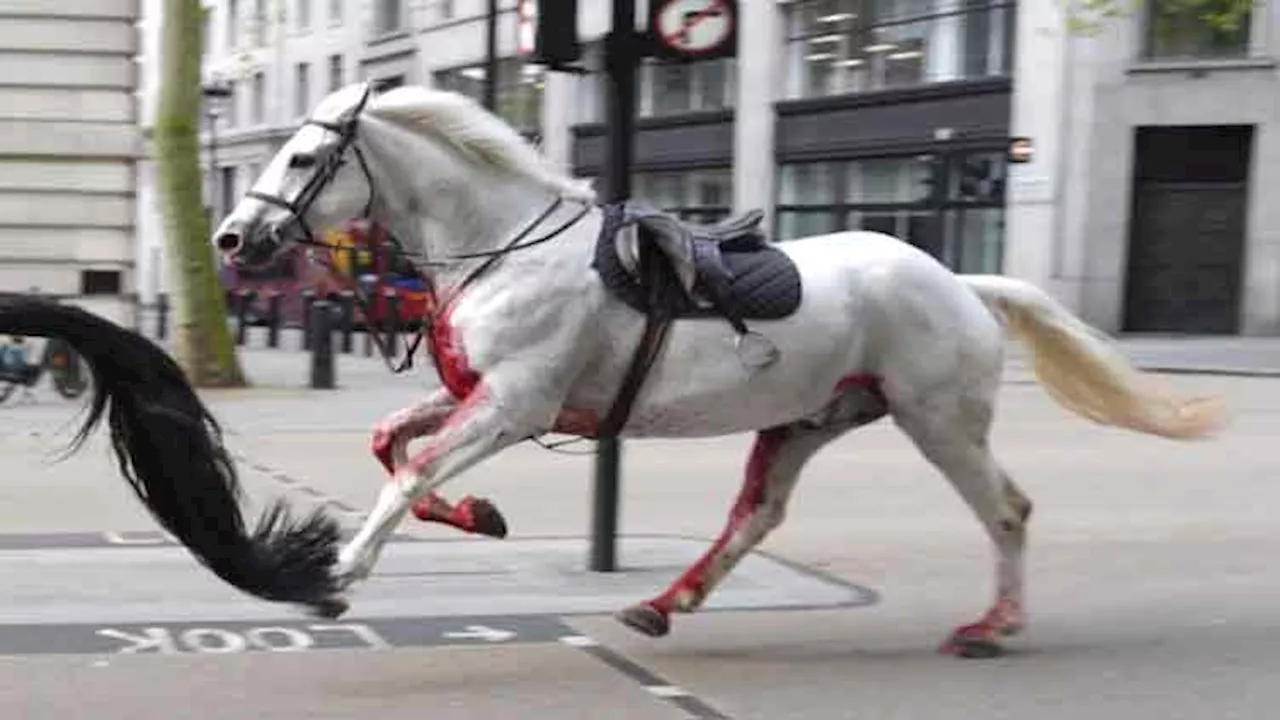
(658, 321)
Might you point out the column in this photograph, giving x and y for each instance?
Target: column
(1033, 198)
(559, 108)
(760, 71)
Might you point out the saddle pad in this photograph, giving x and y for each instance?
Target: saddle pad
(765, 283)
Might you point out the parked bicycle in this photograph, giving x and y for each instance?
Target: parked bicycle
(63, 365)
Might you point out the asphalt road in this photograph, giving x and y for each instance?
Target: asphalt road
(1152, 582)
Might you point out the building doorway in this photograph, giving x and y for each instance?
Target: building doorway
(1187, 229)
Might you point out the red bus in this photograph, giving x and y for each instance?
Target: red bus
(324, 271)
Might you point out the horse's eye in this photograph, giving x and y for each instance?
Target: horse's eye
(302, 160)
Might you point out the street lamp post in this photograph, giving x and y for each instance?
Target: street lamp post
(215, 94)
(491, 57)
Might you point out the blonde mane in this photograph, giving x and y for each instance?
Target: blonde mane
(468, 128)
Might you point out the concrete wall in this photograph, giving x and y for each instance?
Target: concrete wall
(68, 147)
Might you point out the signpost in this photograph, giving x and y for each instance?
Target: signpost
(677, 31)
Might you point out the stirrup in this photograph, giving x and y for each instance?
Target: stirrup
(755, 351)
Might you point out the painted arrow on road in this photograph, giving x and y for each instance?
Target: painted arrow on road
(481, 632)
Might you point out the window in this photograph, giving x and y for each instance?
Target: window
(696, 195)
(99, 282)
(519, 90)
(233, 24)
(664, 88)
(226, 191)
(1208, 29)
(382, 85)
(303, 17)
(258, 103)
(335, 72)
(387, 16)
(335, 12)
(302, 89)
(850, 46)
(259, 23)
(950, 205)
(672, 88)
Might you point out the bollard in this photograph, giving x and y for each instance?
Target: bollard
(242, 315)
(393, 317)
(273, 318)
(308, 299)
(322, 361)
(162, 316)
(347, 308)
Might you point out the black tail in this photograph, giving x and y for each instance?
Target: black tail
(170, 450)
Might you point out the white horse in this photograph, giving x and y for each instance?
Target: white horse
(528, 340)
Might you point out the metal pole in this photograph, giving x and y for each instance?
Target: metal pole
(622, 60)
(491, 59)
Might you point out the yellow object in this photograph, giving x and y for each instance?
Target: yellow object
(339, 238)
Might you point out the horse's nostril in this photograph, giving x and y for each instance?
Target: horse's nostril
(228, 242)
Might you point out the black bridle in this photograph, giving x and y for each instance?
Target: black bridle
(328, 163)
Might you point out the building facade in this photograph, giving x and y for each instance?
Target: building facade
(1147, 205)
(892, 115)
(68, 147)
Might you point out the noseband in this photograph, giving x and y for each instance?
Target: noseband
(329, 164)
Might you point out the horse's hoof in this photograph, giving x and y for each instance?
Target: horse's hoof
(486, 520)
(330, 608)
(971, 647)
(646, 619)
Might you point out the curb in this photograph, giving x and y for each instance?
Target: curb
(1215, 371)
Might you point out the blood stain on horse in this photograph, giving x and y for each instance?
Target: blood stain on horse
(451, 359)
(572, 421)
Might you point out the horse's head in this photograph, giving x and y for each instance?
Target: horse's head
(319, 178)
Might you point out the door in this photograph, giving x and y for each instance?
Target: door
(1187, 230)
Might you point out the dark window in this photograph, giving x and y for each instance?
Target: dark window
(227, 188)
(1202, 30)
(949, 205)
(382, 85)
(100, 282)
(335, 72)
(838, 47)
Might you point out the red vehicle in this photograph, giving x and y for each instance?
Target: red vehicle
(359, 255)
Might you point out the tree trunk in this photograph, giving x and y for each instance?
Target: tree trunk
(203, 344)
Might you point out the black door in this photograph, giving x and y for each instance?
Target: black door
(1187, 229)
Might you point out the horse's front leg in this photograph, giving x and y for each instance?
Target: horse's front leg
(391, 440)
(478, 427)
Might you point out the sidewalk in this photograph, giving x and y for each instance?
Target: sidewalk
(288, 367)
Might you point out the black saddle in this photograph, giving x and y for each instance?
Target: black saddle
(667, 269)
(653, 261)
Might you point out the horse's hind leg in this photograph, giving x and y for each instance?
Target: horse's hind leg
(952, 432)
(391, 441)
(778, 456)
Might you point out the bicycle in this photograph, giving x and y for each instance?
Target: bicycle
(63, 365)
